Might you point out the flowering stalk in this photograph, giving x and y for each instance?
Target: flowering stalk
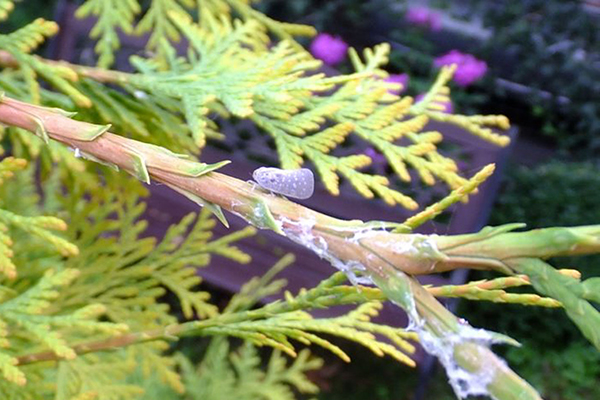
(388, 259)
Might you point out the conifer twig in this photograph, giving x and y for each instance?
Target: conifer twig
(386, 257)
(320, 296)
(98, 74)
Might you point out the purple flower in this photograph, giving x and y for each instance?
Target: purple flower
(468, 68)
(453, 57)
(398, 78)
(470, 72)
(330, 49)
(425, 17)
(448, 107)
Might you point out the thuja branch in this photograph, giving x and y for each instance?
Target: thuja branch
(386, 258)
(327, 294)
(96, 73)
(113, 343)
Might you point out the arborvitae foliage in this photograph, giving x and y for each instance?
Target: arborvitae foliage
(232, 68)
(83, 313)
(115, 284)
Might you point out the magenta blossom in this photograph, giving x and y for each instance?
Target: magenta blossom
(398, 78)
(424, 17)
(468, 68)
(330, 49)
(448, 108)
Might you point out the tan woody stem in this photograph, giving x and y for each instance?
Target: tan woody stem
(389, 259)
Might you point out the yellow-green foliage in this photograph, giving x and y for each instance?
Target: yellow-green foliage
(23, 41)
(40, 227)
(232, 68)
(6, 6)
(52, 302)
(54, 305)
(112, 14)
(276, 323)
(240, 375)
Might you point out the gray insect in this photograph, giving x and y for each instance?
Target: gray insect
(296, 183)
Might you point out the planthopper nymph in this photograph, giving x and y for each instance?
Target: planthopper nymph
(296, 183)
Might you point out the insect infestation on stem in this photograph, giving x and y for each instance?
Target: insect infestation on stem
(297, 183)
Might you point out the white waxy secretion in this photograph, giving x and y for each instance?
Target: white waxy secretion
(296, 183)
